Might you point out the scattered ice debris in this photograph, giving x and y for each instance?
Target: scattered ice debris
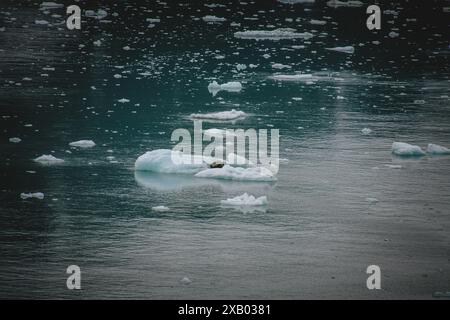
(277, 34)
(123, 100)
(221, 116)
(346, 49)
(15, 140)
(233, 86)
(185, 280)
(437, 149)
(245, 200)
(160, 208)
(366, 131)
(47, 5)
(405, 149)
(48, 159)
(83, 144)
(37, 195)
(213, 19)
(241, 66)
(238, 173)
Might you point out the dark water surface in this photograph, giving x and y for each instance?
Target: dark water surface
(322, 226)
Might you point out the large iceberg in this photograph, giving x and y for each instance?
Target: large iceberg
(405, 149)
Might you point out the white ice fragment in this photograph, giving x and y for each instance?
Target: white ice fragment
(213, 19)
(185, 280)
(437, 149)
(238, 173)
(233, 86)
(366, 131)
(83, 144)
(405, 149)
(15, 140)
(48, 159)
(277, 34)
(221, 116)
(346, 49)
(47, 5)
(37, 195)
(245, 200)
(160, 208)
(123, 100)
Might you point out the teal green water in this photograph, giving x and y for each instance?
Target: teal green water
(321, 227)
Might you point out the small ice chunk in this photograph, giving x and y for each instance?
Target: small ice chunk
(366, 131)
(346, 49)
(160, 208)
(41, 22)
(277, 34)
(123, 100)
(48, 159)
(37, 195)
(245, 200)
(405, 149)
(221, 116)
(15, 140)
(83, 144)
(213, 19)
(185, 280)
(437, 149)
(372, 200)
(233, 86)
(47, 5)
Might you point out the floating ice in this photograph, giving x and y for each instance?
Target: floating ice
(347, 49)
(437, 149)
(48, 159)
(15, 140)
(123, 100)
(351, 3)
(405, 149)
(41, 22)
(161, 161)
(185, 280)
(100, 14)
(296, 1)
(238, 173)
(233, 86)
(277, 34)
(280, 66)
(245, 200)
(213, 19)
(37, 195)
(221, 116)
(83, 144)
(317, 22)
(293, 77)
(47, 5)
(366, 131)
(372, 200)
(160, 208)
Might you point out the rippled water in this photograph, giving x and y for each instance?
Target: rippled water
(322, 226)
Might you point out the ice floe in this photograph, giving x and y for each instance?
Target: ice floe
(161, 161)
(213, 19)
(346, 49)
(37, 195)
(405, 149)
(15, 140)
(233, 86)
(47, 5)
(245, 200)
(48, 159)
(83, 144)
(350, 3)
(277, 34)
(293, 77)
(238, 173)
(160, 208)
(437, 149)
(221, 116)
(366, 131)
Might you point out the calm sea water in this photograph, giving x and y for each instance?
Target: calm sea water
(322, 226)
